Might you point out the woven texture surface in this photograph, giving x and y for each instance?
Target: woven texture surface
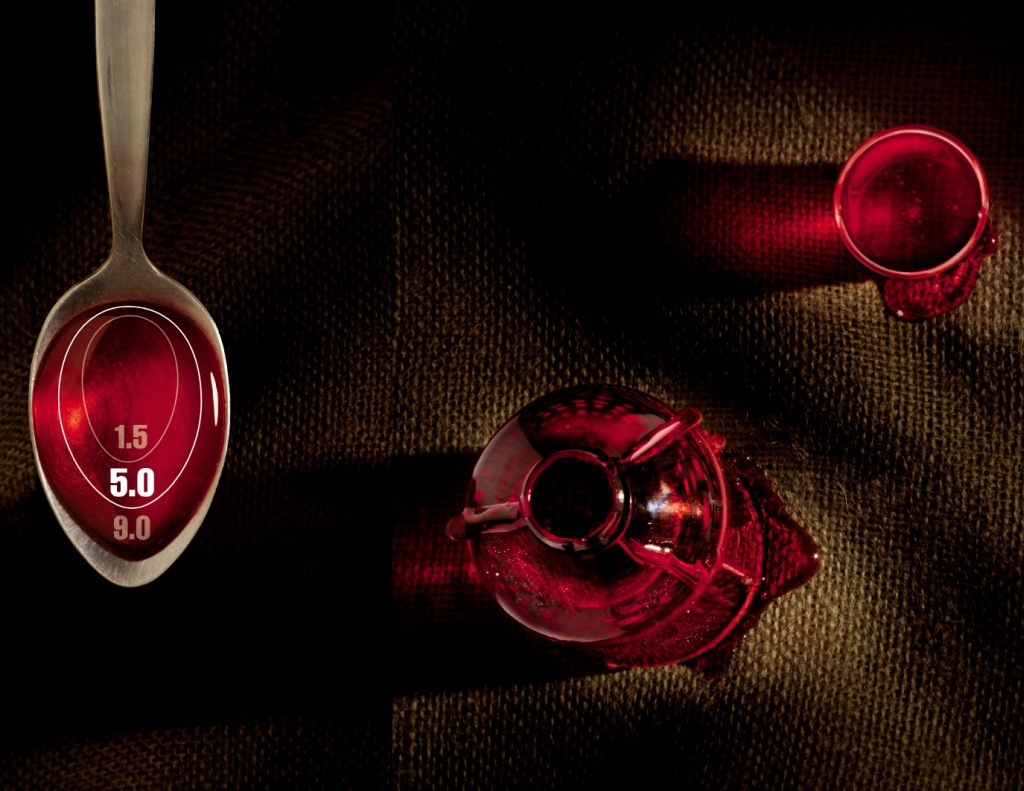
(646, 201)
(407, 225)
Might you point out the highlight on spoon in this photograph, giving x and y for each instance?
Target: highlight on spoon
(911, 202)
(129, 417)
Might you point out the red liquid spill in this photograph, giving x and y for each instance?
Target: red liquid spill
(791, 558)
(129, 413)
(912, 202)
(932, 296)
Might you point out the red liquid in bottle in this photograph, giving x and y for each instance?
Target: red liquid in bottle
(599, 518)
(130, 418)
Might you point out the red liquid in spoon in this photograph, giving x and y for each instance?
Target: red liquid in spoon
(130, 417)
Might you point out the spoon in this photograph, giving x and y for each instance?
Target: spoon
(128, 389)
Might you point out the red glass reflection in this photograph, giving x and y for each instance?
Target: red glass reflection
(129, 415)
(748, 228)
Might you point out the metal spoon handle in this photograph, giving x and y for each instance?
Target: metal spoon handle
(124, 67)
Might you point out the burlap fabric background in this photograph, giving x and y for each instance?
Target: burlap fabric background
(407, 225)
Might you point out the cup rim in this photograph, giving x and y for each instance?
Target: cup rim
(873, 141)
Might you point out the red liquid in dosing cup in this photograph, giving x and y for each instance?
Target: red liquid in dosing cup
(911, 202)
(130, 419)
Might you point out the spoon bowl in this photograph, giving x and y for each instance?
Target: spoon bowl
(128, 387)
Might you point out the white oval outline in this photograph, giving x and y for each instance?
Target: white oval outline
(177, 384)
(199, 422)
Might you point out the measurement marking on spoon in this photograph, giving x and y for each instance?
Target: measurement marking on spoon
(85, 362)
(67, 442)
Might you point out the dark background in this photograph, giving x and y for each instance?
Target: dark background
(408, 223)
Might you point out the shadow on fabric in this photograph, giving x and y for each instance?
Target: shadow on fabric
(722, 229)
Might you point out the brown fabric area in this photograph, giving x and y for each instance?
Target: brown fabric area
(647, 201)
(408, 224)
